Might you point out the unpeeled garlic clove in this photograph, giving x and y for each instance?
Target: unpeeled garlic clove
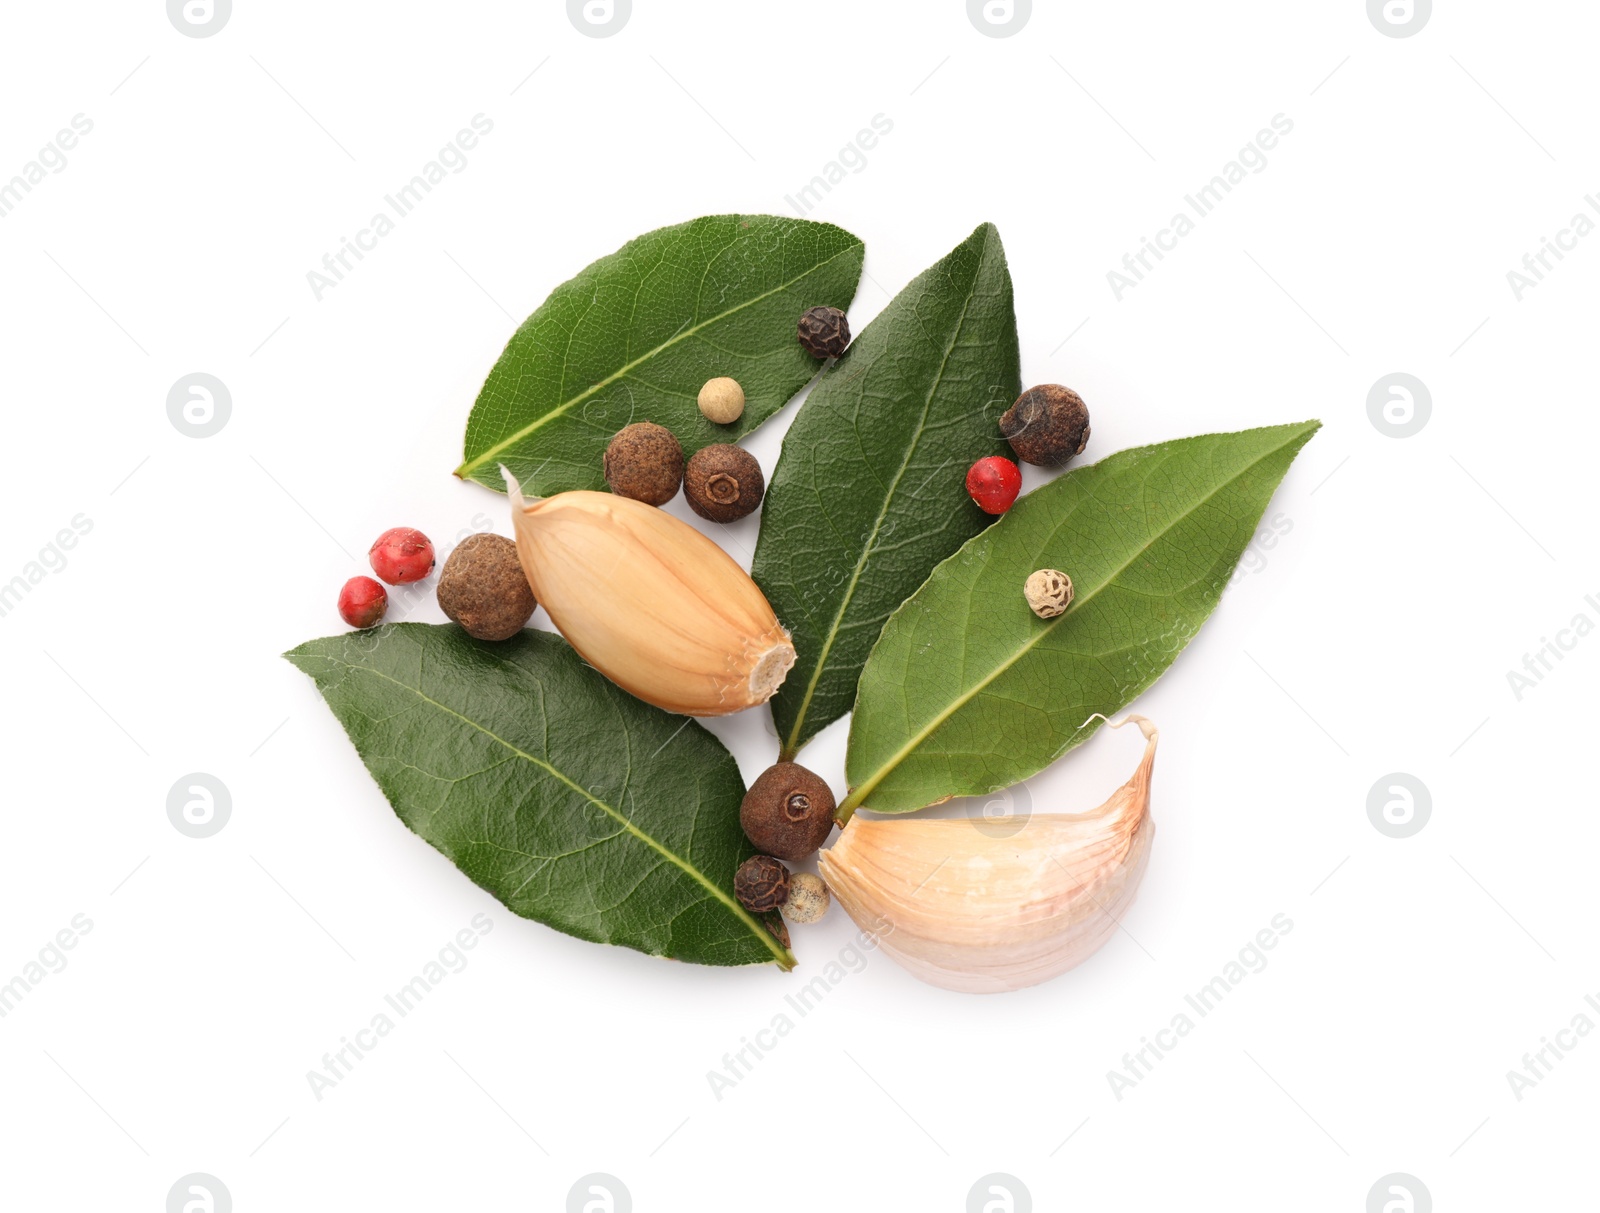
(650, 602)
(972, 910)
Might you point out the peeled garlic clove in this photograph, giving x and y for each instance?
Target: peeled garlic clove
(969, 910)
(650, 602)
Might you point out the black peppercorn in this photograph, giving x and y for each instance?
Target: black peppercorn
(1048, 425)
(824, 332)
(788, 811)
(644, 461)
(723, 482)
(761, 883)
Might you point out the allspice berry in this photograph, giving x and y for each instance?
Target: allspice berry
(807, 900)
(824, 332)
(1047, 426)
(1048, 591)
(787, 812)
(761, 883)
(723, 482)
(722, 400)
(484, 589)
(644, 461)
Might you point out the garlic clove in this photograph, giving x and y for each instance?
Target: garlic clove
(650, 602)
(970, 910)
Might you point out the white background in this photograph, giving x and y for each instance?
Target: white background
(1375, 638)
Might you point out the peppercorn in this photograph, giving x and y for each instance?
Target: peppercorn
(788, 811)
(401, 554)
(723, 482)
(807, 900)
(362, 602)
(644, 461)
(993, 483)
(484, 589)
(1048, 591)
(761, 883)
(824, 332)
(1048, 425)
(722, 400)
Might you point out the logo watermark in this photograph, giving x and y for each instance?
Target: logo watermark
(1399, 18)
(999, 1193)
(199, 1193)
(1003, 814)
(1399, 1193)
(1251, 160)
(599, 18)
(199, 405)
(1399, 805)
(199, 805)
(999, 18)
(1399, 405)
(599, 1193)
(199, 18)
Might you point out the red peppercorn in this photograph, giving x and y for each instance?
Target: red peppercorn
(994, 483)
(362, 602)
(401, 554)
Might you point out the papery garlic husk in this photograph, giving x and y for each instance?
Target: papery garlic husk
(965, 904)
(650, 602)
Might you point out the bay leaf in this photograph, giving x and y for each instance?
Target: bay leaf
(636, 334)
(967, 691)
(869, 493)
(569, 800)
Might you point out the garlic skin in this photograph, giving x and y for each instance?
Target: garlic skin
(650, 602)
(969, 911)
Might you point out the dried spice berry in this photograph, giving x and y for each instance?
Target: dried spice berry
(723, 482)
(644, 461)
(994, 483)
(1048, 591)
(808, 899)
(1048, 425)
(401, 554)
(721, 400)
(761, 883)
(484, 589)
(824, 332)
(362, 602)
(787, 812)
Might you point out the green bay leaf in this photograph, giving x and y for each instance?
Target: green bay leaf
(967, 691)
(636, 334)
(869, 492)
(567, 799)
